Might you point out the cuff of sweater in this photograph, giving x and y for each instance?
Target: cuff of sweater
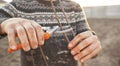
(2, 35)
(93, 32)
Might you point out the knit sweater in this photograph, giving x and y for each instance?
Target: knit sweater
(55, 48)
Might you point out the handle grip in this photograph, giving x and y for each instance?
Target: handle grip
(19, 46)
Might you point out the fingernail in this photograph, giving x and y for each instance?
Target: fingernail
(72, 52)
(13, 47)
(70, 45)
(75, 58)
(35, 47)
(82, 61)
(41, 43)
(28, 48)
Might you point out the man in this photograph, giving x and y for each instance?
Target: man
(25, 18)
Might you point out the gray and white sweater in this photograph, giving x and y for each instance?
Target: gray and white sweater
(40, 11)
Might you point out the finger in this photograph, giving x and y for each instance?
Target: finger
(86, 42)
(78, 38)
(86, 51)
(39, 31)
(31, 34)
(95, 52)
(23, 37)
(12, 39)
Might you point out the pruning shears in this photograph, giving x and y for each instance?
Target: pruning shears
(48, 33)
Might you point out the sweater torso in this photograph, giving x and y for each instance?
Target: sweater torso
(56, 48)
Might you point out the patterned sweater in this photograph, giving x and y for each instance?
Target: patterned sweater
(55, 48)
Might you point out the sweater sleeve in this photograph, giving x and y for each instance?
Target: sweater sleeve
(3, 16)
(81, 20)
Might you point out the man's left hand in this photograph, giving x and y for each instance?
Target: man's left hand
(84, 46)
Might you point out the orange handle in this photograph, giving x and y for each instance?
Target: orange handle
(19, 46)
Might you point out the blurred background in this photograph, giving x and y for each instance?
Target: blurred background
(103, 17)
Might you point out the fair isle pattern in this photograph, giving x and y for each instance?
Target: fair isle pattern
(44, 15)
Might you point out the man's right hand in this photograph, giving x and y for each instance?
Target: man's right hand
(29, 33)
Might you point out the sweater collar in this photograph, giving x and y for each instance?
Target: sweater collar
(39, 1)
(48, 2)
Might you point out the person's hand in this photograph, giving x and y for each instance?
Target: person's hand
(84, 46)
(29, 33)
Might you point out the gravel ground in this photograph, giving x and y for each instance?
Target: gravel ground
(108, 31)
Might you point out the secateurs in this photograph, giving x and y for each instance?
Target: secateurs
(48, 33)
(47, 36)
